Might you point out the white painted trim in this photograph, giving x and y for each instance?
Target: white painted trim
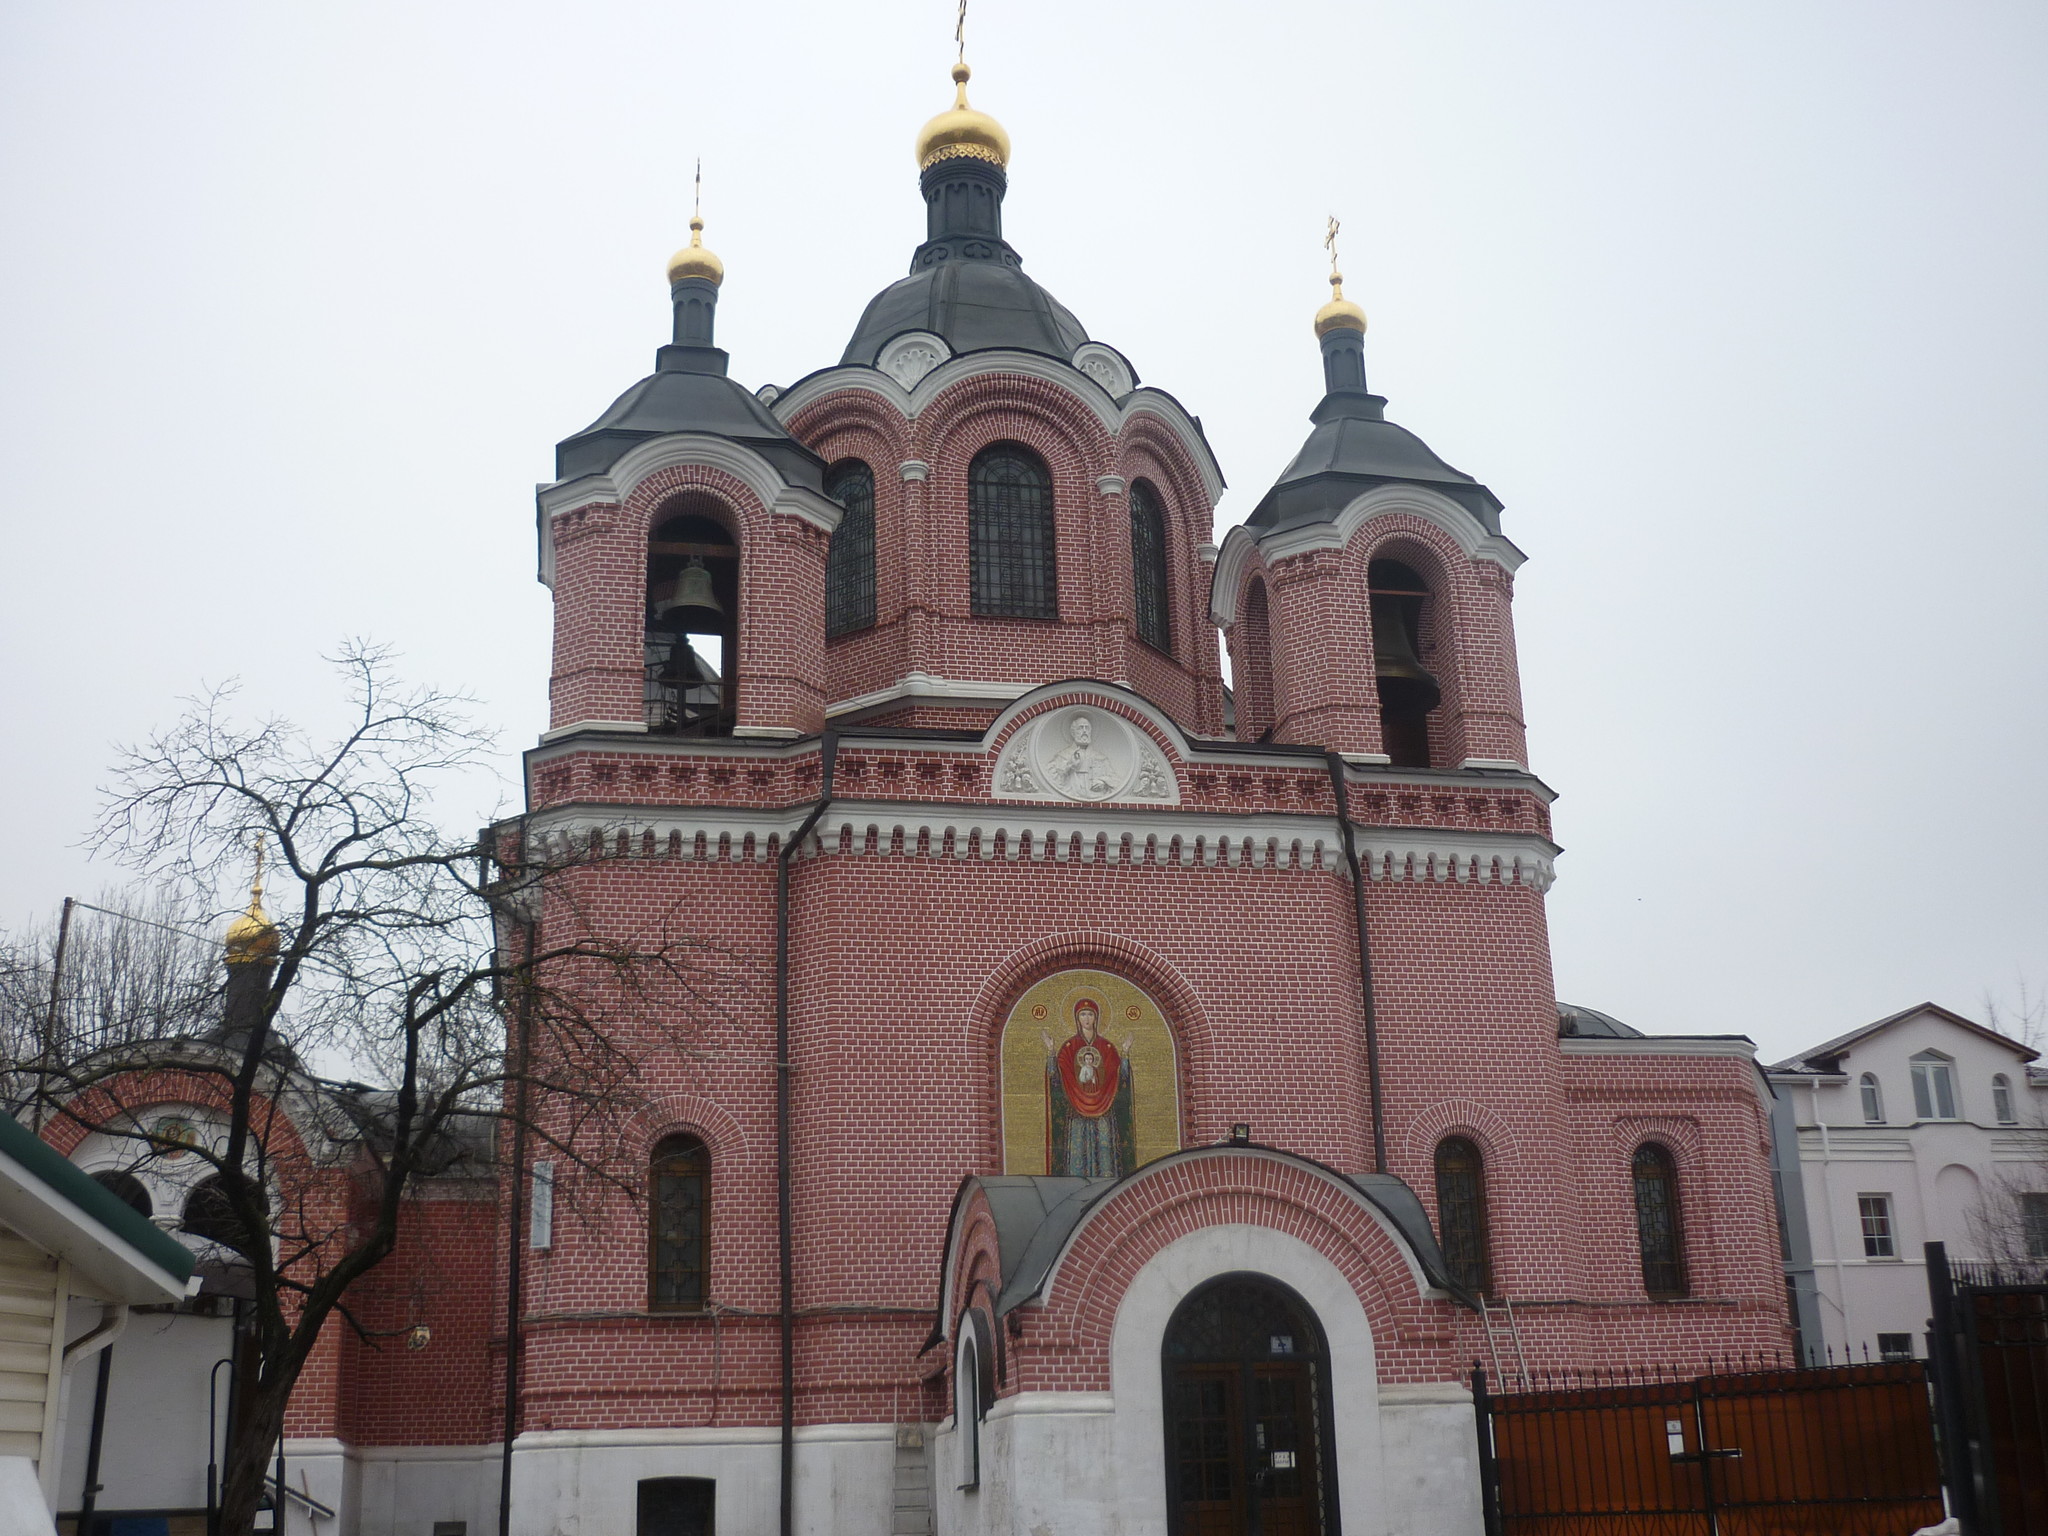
(576, 727)
(672, 449)
(1139, 1426)
(767, 733)
(399, 1453)
(1406, 1394)
(590, 1439)
(116, 1268)
(1207, 839)
(1114, 415)
(1381, 501)
(1111, 485)
(1506, 763)
(929, 685)
(1027, 1404)
(1655, 1045)
(914, 469)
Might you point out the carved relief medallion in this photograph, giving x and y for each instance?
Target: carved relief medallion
(1083, 753)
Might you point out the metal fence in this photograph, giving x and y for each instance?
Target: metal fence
(1760, 1448)
(1990, 1355)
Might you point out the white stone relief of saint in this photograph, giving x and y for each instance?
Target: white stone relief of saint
(1017, 777)
(1151, 783)
(1081, 769)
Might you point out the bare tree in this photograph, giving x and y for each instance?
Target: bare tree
(2009, 1223)
(401, 956)
(136, 966)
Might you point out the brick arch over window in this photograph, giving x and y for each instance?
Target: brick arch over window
(695, 570)
(678, 1224)
(1435, 625)
(1660, 1221)
(1151, 565)
(850, 562)
(1254, 681)
(1116, 1240)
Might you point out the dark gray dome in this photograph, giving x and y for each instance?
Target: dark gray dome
(1577, 1022)
(973, 305)
(674, 400)
(1354, 447)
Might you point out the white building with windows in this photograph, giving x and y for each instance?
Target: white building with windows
(1922, 1127)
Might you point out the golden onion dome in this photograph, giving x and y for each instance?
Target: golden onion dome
(1340, 313)
(962, 131)
(693, 260)
(252, 936)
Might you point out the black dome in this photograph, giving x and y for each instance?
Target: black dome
(973, 305)
(675, 400)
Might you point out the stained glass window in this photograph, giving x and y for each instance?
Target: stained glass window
(850, 559)
(1657, 1228)
(1461, 1212)
(1148, 567)
(678, 1212)
(1010, 534)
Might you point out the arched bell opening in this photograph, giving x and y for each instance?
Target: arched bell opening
(1408, 691)
(693, 627)
(1251, 654)
(1248, 1413)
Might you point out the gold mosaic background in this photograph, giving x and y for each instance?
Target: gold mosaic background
(1049, 1007)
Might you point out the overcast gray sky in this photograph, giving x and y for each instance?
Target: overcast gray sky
(1739, 307)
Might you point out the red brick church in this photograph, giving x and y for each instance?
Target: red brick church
(1157, 1097)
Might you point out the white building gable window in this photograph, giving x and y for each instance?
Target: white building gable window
(1875, 1212)
(1873, 1099)
(2001, 1100)
(1934, 1086)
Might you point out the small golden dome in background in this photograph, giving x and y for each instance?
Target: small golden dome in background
(693, 260)
(252, 936)
(962, 131)
(1340, 313)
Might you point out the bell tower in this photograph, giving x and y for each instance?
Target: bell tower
(1366, 600)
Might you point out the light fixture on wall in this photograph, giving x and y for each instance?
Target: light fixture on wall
(1240, 1134)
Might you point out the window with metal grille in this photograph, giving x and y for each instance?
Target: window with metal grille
(1010, 534)
(1148, 567)
(1895, 1346)
(1657, 1229)
(1461, 1212)
(850, 559)
(678, 1222)
(1873, 1099)
(1875, 1214)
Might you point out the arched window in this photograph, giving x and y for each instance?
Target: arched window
(678, 1225)
(2001, 1100)
(127, 1189)
(1461, 1213)
(973, 1391)
(1251, 673)
(1148, 567)
(1873, 1099)
(850, 560)
(1407, 690)
(693, 625)
(1658, 1232)
(211, 1215)
(1934, 1086)
(1010, 534)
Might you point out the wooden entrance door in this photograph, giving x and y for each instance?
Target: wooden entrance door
(1246, 1415)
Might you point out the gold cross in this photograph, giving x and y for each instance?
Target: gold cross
(1330, 240)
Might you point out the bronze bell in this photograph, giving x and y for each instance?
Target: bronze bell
(693, 608)
(1406, 686)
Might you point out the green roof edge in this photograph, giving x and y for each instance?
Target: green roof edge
(101, 1204)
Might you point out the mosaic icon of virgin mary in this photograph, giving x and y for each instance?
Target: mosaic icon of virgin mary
(1088, 1128)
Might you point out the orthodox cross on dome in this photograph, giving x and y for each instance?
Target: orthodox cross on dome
(1329, 240)
(697, 195)
(960, 32)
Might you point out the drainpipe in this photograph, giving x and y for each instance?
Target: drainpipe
(525, 910)
(828, 753)
(1335, 761)
(91, 1496)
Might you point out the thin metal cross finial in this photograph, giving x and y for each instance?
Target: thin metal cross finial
(256, 885)
(697, 194)
(960, 31)
(1329, 240)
